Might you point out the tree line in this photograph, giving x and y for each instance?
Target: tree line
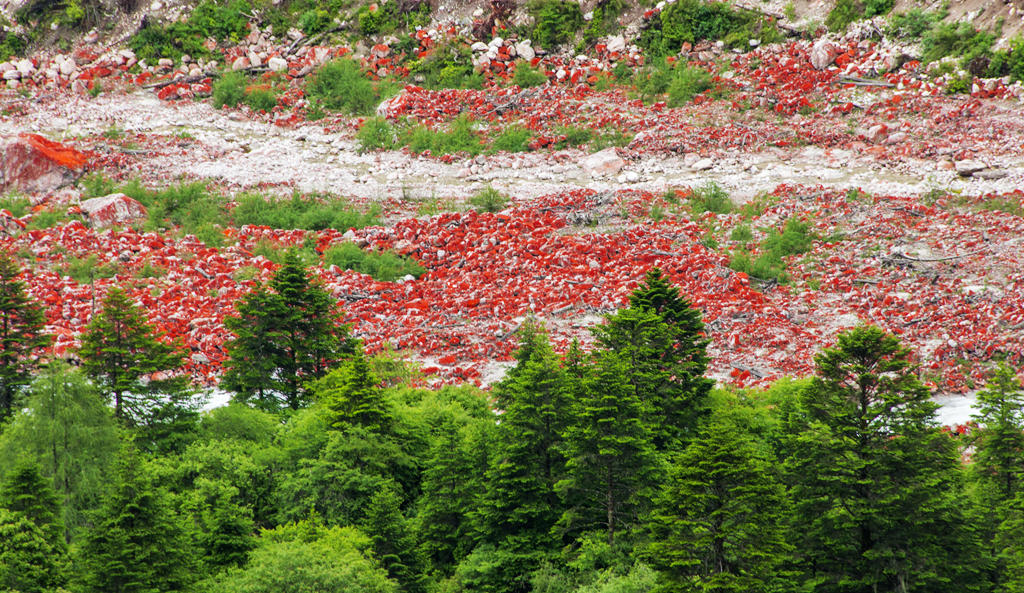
(621, 469)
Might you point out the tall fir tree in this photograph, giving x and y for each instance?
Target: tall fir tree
(660, 337)
(129, 362)
(353, 396)
(521, 505)
(286, 337)
(999, 444)
(29, 563)
(720, 521)
(876, 485)
(612, 467)
(394, 542)
(137, 543)
(21, 337)
(25, 491)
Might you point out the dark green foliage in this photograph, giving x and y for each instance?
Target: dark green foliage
(121, 353)
(574, 136)
(224, 21)
(660, 340)
(11, 45)
(450, 66)
(875, 483)
(383, 266)
(286, 336)
(21, 337)
(314, 21)
(527, 76)
(394, 545)
(310, 213)
(555, 21)
(24, 491)
(261, 99)
(29, 562)
(844, 13)
(719, 523)
(913, 23)
(340, 85)
(956, 39)
(512, 139)
(689, 21)
(877, 7)
(687, 83)
(137, 543)
(229, 90)
(488, 200)
(770, 265)
(376, 134)
(611, 467)
(604, 20)
(71, 434)
(710, 197)
(521, 505)
(999, 448)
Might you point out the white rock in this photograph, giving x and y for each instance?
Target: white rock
(967, 168)
(67, 67)
(496, 42)
(254, 60)
(240, 63)
(632, 176)
(165, 63)
(703, 164)
(12, 75)
(603, 163)
(525, 51)
(616, 43)
(823, 54)
(478, 46)
(277, 64)
(26, 67)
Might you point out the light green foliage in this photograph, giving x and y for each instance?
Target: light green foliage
(383, 266)
(687, 83)
(71, 434)
(843, 13)
(460, 137)
(314, 21)
(741, 234)
(450, 66)
(689, 21)
(314, 213)
(220, 20)
(574, 136)
(512, 139)
(488, 200)
(340, 85)
(795, 238)
(527, 76)
(555, 21)
(710, 197)
(21, 336)
(286, 336)
(352, 395)
(86, 270)
(913, 23)
(875, 483)
(29, 563)
(261, 99)
(999, 446)
(376, 134)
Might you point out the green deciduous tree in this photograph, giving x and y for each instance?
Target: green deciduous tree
(720, 520)
(21, 336)
(126, 358)
(137, 543)
(612, 467)
(660, 338)
(286, 337)
(71, 434)
(875, 483)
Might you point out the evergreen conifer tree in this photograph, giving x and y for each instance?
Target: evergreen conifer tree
(352, 395)
(28, 561)
(999, 447)
(25, 491)
(286, 337)
(21, 336)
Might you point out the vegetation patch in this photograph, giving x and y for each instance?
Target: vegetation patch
(340, 85)
(689, 21)
(313, 213)
(770, 266)
(384, 266)
(488, 200)
(555, 21)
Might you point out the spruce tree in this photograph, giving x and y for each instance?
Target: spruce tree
(999, 447)
(394, 544)
(21, 336)
(286, 337)
(25, 491)
(720, 521)
(29, 563)
(612, 467)
(126, 358)
(353, 396)
(875, 483)
(660, 338)
(137, 544)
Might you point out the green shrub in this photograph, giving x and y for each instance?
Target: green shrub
(710, 197)
(574, 136)
(604, 20)
(488, 200)
(609, 137)
(913, 23)
(314, 21)
(794, 239)
(46, 219)
(261, 99)
(225, 21)
(449, 66)
(955, 39)
(844, 13)
(229, 90)
(742, 234)
(878, 7)
(460, 137)
(689, 21)
(16, 205)
(513, 139)
(376, 134)
(309, 213)
(687, 83)
(341, 85)
(11, 45)
(383, 266)
(555, 21)
(527, 76)
(85, 270)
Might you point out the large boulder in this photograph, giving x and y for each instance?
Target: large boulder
(30, 163)
(111, 210)
(606, 162)
(823, 54)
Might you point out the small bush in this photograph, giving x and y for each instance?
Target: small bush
(488, 200)
(383, 266)
(710, 197)
(376, 134)
(913, 23)
(309, 213)
(11, 45)
(450, 66)
(513, 139)
(742, 234)
(527, 76)
(314, 21)
(46, 219)
(573, 136)
(770, 265)
(686, 84)
(555, 21)
(460, 137)
(85, 270)
(229, 90)
(261, 99)
(844, 13)
(340, 85)
(226, 21)
(689, 21)
(878, 7)
(951, 39)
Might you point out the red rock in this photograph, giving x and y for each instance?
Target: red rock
(111, 210)
(31, 163)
